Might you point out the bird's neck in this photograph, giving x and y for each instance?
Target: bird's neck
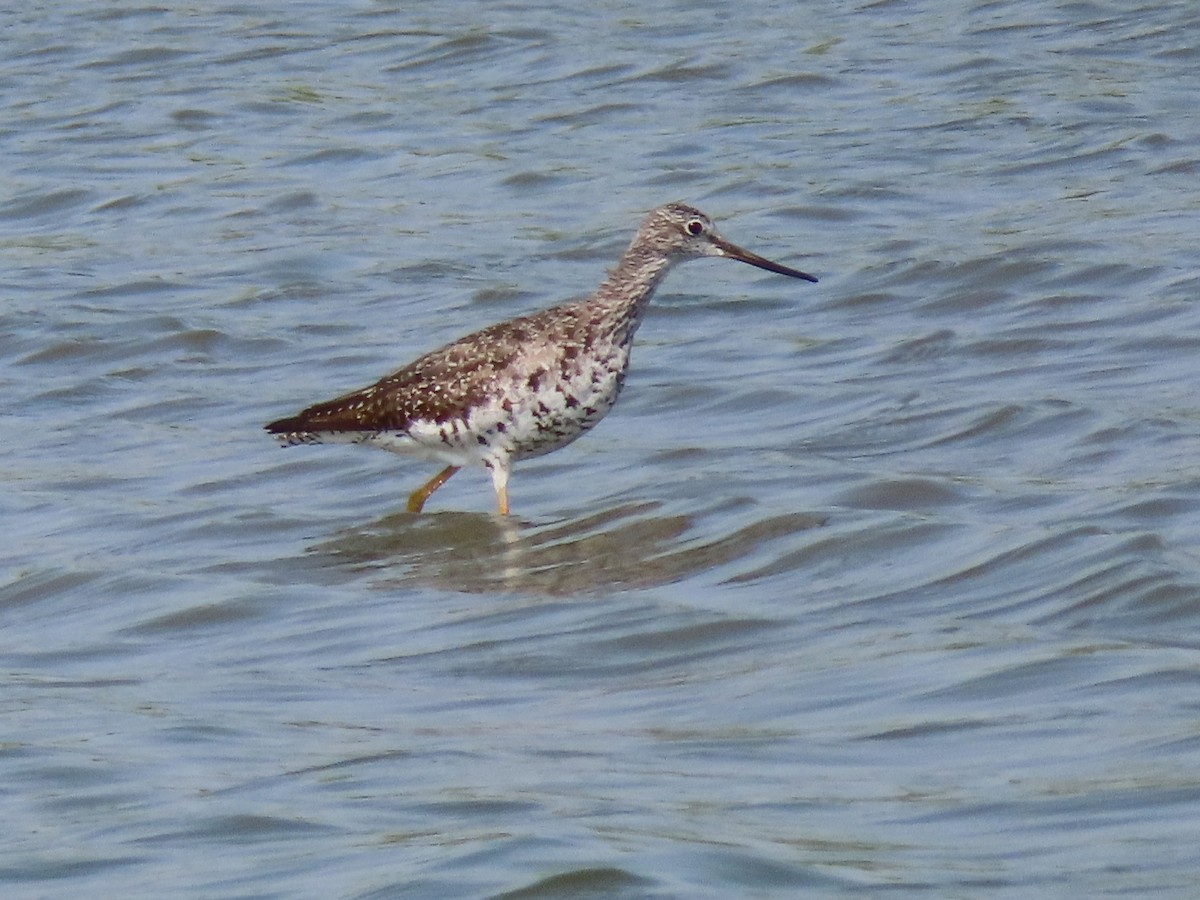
(630, 284)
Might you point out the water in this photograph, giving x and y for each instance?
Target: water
(885, 584)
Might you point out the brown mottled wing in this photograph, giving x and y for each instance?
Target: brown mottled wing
(439, 386)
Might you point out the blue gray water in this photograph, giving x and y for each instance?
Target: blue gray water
(888, 584)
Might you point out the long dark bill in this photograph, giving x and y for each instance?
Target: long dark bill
(733, 251)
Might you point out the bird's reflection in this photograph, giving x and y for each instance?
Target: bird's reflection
(624, 546)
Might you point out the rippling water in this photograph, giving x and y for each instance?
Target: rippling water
(889, 582)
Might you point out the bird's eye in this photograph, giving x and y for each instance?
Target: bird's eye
(695, 228)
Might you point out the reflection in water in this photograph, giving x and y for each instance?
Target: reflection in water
(625, 546)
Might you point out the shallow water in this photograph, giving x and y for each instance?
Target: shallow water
(885, 583)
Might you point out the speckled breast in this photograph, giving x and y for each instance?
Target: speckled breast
(547, 407)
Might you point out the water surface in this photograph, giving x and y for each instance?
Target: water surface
(885, 583)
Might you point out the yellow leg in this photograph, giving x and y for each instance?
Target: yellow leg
(416, 500)
(499, 469)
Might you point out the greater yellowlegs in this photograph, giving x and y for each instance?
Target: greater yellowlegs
(524, 387)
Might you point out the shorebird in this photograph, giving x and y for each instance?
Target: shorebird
(525, 387)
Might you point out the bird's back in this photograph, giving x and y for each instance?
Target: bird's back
(531, 384)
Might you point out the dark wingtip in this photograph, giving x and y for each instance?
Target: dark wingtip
(284, 426)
